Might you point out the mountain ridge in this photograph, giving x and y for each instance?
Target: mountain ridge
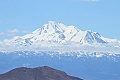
(58, 32)
(39, 73)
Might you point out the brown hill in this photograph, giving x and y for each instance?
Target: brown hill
(39, 73)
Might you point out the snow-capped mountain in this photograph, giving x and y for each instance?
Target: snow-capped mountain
(84, 53)
(57, 36)
(60, 33)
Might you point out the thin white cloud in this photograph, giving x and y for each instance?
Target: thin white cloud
(11, 35)
(1, 33)
(13, 31)
(89, 0)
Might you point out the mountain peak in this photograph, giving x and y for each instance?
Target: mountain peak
(60, 33)
(51, 22)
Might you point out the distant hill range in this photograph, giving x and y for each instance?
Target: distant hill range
(39, 73)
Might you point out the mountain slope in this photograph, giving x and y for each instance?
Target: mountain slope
(40, 73)
(60, 33)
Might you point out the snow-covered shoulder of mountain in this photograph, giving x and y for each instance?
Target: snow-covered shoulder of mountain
(60, 33)
(54, 36)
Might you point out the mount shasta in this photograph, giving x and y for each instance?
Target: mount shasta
(54, 36)
(85, 54)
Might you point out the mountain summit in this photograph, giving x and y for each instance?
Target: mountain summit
(56, 36)
(60, 33)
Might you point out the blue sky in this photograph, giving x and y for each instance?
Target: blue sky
(18, 17)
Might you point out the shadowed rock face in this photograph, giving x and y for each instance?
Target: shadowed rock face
(39, 73)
